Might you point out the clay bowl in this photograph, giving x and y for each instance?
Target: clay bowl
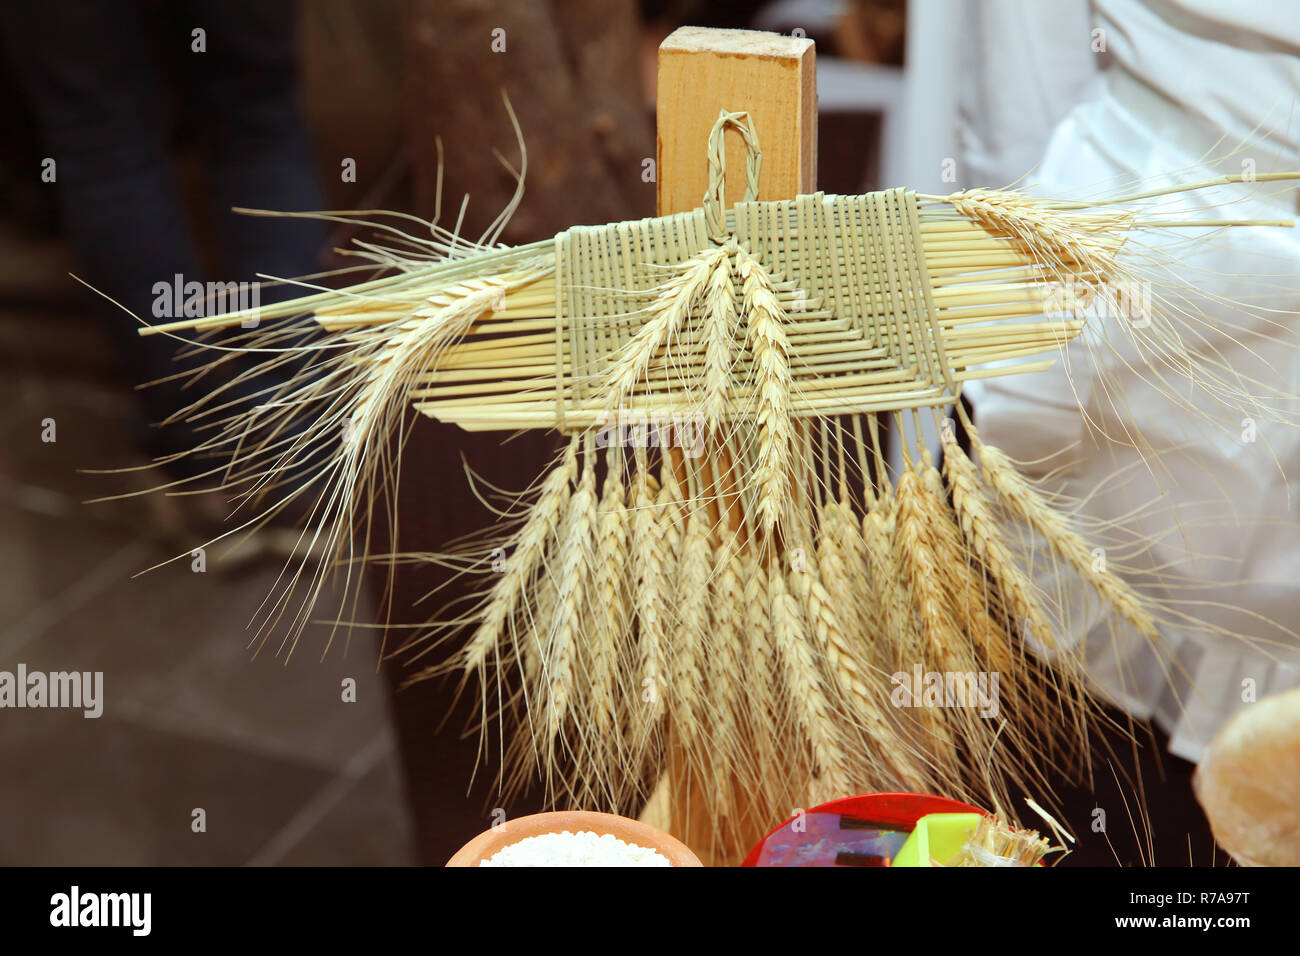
(487, 843)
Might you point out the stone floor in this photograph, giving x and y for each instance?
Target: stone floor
(284, 769)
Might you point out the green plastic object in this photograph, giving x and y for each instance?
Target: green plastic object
(937, 836)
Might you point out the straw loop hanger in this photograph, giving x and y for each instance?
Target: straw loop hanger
(715, 196)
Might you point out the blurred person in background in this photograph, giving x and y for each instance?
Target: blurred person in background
(109, 85)
(1089, 98)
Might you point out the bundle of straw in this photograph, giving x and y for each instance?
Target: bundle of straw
(720, 572)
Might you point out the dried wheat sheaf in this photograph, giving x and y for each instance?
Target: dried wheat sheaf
(722, 585)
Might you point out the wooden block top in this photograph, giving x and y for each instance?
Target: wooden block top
(773, 77)
(738, 42)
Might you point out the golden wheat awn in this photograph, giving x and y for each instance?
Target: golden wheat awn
(748, 604)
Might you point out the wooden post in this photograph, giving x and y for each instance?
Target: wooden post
(773, 78)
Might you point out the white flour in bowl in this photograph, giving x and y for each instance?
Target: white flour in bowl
(575, 849)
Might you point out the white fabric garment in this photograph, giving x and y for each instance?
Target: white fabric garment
(1185, 78)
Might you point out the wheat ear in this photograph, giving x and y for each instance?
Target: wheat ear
(886, 574)
(831, 560)
(720, 322)
(849, 560)
(686, 705)
(1051, 236)
(855, 688)
(813, 713)
(972, 599)
(981, 532)
(726, 669)
(921, 565)
(1015, 491)
(766, 717)
(650, 595)
(770, 348)
(530, 546)
(573, 555)
(669, 312)
(930, 633)
(608, 610)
